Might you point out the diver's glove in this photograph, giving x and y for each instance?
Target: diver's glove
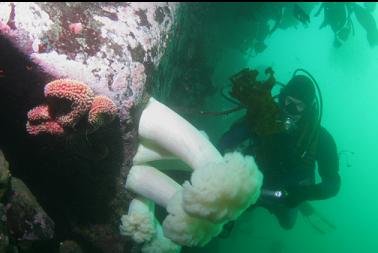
(294, 195)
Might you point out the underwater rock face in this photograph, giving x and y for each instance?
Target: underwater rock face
(78, 178)
(4, 234)
(109, 46)
(26, 219)
(69, 247)
(4, 184)
(4, 175)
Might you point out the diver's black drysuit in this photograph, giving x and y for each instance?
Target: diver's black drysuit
(287, 167)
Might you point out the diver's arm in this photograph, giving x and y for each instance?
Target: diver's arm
(237, 134)
(328, 166)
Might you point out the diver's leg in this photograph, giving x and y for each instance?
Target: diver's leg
(228, 227)
(286, 216)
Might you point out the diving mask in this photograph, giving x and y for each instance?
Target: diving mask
(292, 112)
(293, 105)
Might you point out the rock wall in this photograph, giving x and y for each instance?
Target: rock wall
(78, 178)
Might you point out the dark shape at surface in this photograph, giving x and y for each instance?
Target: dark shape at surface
(367, 21)
(301, 15)
(277, 17)
(337, 16)
(370, 6)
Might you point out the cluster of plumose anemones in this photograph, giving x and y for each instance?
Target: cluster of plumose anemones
(68, 101)
(220, 189)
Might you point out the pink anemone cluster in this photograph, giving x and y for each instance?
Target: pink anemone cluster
(78, 95)
(39, 121)
(68, 102)
(102, 112)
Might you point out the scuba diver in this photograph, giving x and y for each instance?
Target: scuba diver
(287, 155)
